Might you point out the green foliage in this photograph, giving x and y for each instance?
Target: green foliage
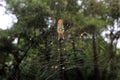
(38, 55)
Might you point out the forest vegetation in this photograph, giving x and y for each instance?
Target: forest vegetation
(83, 54)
